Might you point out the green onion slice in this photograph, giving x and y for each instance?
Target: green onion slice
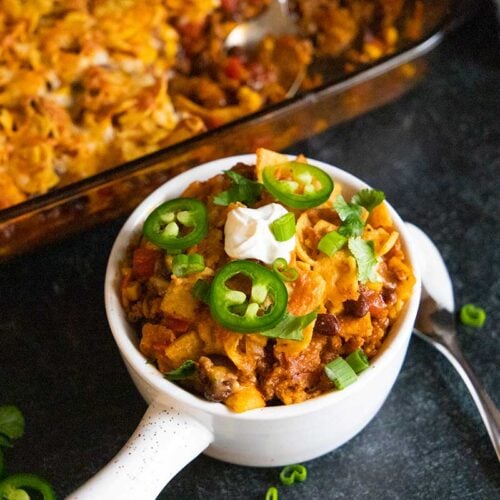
(472, 315)
(286, 273)
(283, 228)
(331, 243)
(183, 264)
(358, 360)
(292, 474)
(340, 373)
(11, 422)
(272, 493)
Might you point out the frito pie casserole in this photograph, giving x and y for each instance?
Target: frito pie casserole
(264, 285)
(89, 84)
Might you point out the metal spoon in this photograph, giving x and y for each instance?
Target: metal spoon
(436, 325)
(276, 19)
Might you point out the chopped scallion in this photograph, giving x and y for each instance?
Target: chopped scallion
(331, 243)
(11, 423)
(358, 360)
(286, 273)
(340, 373)
(272, 493)
(283, 228)
(292, 474)
(183, 264)
(471, 315)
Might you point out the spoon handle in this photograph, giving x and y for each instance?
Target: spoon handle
(449, 347)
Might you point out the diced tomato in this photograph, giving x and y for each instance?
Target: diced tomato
(144, 261)
(177, 325)
(235, 68)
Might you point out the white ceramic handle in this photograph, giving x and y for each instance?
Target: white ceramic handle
(163, 443)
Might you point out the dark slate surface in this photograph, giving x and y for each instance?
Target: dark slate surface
(436, 154)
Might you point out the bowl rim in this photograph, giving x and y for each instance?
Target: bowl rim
(123, 332)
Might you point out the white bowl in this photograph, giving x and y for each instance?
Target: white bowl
(179, 425)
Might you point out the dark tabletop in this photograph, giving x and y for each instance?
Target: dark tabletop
(436, 154)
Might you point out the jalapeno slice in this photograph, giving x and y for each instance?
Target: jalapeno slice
(177, 224)
(297, 185)
(14, 486)
(247, 297)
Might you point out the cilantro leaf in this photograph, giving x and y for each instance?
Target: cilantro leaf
(352, 227)
(290, 327)
(187, 369)
(11, 422)
(241, 189)
(368, 198)
(223, 198)
(346, 210)
(350, 215)
(364, 253)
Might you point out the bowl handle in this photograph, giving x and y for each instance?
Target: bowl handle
(163, 443)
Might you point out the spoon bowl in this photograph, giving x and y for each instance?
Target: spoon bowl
(276, 20)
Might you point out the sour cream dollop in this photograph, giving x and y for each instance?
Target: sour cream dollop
(247, 234)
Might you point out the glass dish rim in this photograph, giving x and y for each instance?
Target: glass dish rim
(455, 15)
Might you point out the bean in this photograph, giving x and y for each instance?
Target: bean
(389, 296)
(357, 308)
(326, 324)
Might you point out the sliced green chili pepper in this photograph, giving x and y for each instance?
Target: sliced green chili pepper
(292, 474)
(298, 185)
(12, 487)
(177, 224)
(257, 309)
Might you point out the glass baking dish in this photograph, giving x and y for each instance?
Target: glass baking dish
(115, 192)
